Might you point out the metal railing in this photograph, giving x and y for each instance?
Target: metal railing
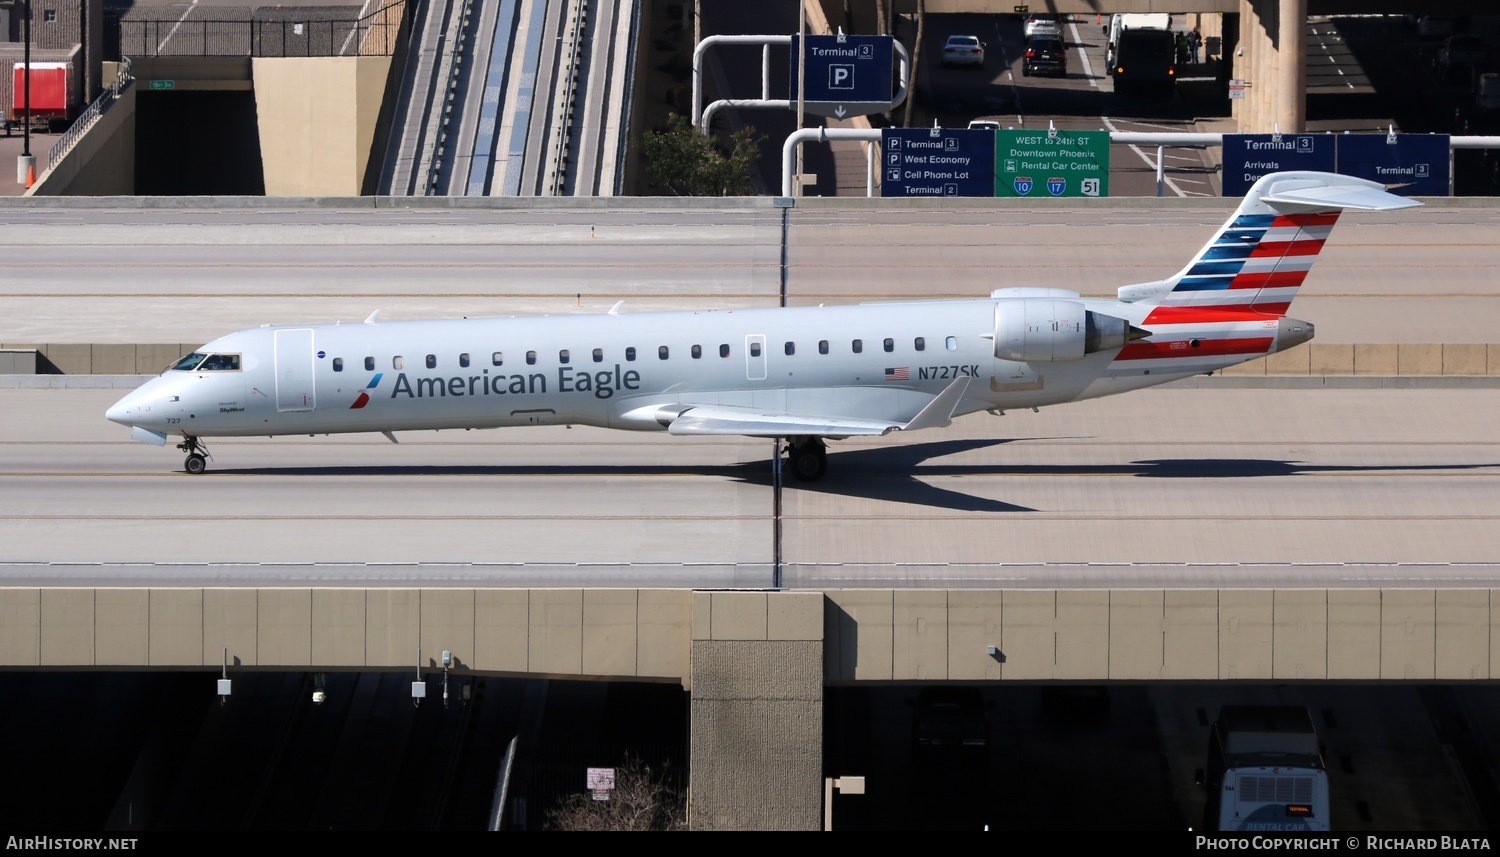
(570, 64)
(374, 34)
(454, 41)
(1161, 140)
(91, 116)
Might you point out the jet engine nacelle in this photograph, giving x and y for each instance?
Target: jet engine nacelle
(1032, 330)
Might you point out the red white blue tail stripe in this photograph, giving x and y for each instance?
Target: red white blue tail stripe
(1255, 264)
(1188, 339)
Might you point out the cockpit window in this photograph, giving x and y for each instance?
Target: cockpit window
(221, 363)
(189, 363)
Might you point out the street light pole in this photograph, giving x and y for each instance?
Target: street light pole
(26, 116)
(26, 164)
(801, 82)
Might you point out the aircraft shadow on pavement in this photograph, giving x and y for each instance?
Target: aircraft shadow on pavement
(879, 473)
(893, 473)
(890, 473)
(1226, 468)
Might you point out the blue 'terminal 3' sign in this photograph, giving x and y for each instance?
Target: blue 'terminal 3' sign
(1407, 164)
(1247, 157)
(844, 75)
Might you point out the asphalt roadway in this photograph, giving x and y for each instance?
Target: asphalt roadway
(190, 270)
(1198, 486)
(1174, 488)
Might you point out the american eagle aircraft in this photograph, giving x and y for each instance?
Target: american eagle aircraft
(805, 374)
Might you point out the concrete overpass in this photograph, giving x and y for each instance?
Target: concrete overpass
(757, 663)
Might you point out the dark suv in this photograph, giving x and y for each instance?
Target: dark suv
(950, 722)
(1045, 56)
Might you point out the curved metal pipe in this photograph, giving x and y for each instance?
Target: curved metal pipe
(789, 148)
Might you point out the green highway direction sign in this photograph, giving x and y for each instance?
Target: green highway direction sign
(1051, 163)
(163, 84)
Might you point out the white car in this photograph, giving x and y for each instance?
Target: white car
(1043, 26)
(963, 50)
(1437, 25)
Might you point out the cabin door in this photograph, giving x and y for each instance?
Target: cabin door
(294, 371)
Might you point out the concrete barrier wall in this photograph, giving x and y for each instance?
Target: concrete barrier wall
(574, 633)
(1160, 635)
(1467, 359)
(317, 118)
(851, 635)
(111, 359)
(101, 163)
(1378, 359)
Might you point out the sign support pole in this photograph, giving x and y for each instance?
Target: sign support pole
(801, 80)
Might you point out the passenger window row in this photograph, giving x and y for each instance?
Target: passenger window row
(565, 356)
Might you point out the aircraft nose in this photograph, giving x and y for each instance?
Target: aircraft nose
(132, 409)
(120, 411)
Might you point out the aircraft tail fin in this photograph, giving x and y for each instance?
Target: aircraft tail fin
(1261, 255)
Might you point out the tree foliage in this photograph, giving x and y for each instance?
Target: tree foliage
(640, 800)
(683, 162)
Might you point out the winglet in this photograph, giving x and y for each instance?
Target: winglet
(939, 411)
(371, 319)
(615, 310)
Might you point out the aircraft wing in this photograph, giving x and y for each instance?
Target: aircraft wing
(715, 419)
(749, 422)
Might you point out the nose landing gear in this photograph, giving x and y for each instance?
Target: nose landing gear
(197, 459)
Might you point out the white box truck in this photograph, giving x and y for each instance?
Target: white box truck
(1120, 23)
(1265, 770)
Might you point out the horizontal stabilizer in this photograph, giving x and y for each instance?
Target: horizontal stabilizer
(1359, 196)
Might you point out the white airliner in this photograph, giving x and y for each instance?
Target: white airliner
(804, 374)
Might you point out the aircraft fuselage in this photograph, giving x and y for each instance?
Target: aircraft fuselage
(870, 362)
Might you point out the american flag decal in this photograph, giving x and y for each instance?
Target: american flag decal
(900, 373)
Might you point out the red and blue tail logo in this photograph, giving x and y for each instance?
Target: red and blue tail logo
(1229, 304)
(364, 395)
(1256, 264)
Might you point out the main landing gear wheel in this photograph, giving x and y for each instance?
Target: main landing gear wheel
(808, 459)
(197, 460)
